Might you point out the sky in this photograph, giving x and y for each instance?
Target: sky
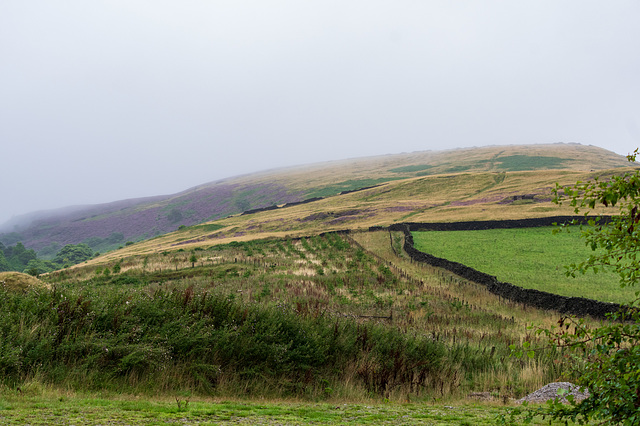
(107, 100)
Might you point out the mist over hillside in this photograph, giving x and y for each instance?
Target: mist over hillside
(65, 213)
(107, 226)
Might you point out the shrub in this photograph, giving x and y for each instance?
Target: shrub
(107, 336)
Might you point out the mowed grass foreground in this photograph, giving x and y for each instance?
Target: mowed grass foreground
(533, 258)
(42, 406)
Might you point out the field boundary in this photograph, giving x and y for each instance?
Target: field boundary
(496, 224)
(305, 201)
(539, 299)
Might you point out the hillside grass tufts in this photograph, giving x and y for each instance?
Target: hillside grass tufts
(325, 316)
(18, 282)
(198, 341)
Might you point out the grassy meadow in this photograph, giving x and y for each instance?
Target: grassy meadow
(38, 405)
(528, 257)
(320, 318)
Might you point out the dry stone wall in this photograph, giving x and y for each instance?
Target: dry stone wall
(539, 299)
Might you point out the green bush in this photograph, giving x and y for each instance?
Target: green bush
(105, 337)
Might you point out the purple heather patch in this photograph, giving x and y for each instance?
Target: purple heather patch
(315, 216)
(133, 219)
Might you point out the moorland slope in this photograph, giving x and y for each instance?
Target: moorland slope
(241, 307)
(461, 184)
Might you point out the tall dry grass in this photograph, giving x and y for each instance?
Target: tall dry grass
(357, 283)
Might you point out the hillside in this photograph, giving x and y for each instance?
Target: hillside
(443, 198)
(271, 304)
(332, 316)
(430, 185)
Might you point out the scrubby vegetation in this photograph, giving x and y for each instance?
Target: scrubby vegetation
(177, 340)
(315, 318)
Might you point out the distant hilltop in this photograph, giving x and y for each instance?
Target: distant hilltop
(108, 226)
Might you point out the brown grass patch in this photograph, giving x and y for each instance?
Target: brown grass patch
(469, 196)
(19, 282)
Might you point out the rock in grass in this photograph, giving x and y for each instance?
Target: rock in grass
(555, 390)
(19, 282)
(481, 396)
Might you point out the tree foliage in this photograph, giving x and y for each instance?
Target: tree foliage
(15, 258)
(4, 264)
(605, 359)
(19, 258)
(616, 240)
(72, 254)
(38, 266)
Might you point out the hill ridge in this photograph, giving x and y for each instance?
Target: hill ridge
(107, 226)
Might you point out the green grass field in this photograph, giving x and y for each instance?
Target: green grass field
(530, 258)
(37, 406)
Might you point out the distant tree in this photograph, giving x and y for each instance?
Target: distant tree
(4, 264)
(35, 272)
(49, 251)
(193, 259)
(19, 256)
(39, 266)
(73, 254)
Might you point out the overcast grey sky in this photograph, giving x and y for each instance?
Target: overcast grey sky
(106, 100)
